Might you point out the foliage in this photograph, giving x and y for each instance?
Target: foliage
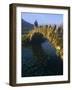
(53, 34)
(25, 40)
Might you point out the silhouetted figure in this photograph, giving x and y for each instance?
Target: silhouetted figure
(36, 23)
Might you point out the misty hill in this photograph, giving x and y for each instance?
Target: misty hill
(26, 26)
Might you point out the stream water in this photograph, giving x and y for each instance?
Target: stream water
(41, 60)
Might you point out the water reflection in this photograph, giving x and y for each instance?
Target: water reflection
(40, 59)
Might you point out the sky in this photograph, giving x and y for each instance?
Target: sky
(43, 19)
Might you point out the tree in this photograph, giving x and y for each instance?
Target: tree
(36, 23)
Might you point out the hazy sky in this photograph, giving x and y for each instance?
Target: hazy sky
(43, 19)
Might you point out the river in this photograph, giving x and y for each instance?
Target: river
(41, 60)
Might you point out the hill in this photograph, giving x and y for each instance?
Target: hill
(26, 26)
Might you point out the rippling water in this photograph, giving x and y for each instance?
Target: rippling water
(41, 60)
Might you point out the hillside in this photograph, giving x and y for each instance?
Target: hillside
(26, 26)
